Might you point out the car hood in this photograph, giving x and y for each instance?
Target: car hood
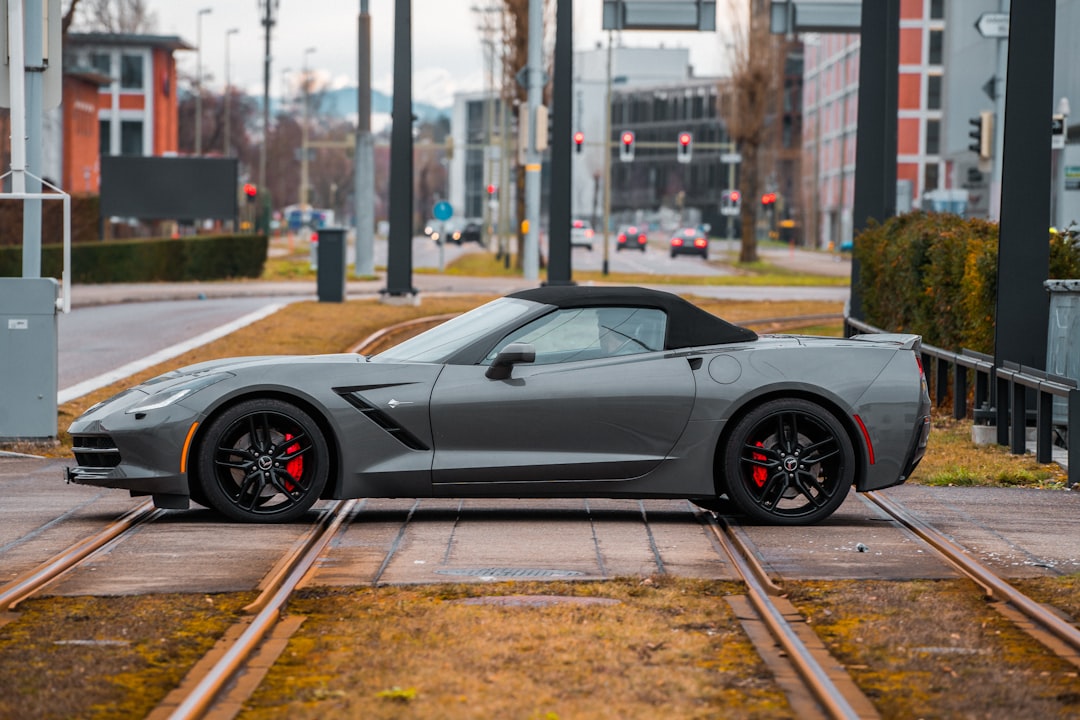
(237, 365)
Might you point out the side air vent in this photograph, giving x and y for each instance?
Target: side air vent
(382, 419)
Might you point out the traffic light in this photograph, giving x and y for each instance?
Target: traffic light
(250, 191)
(686, 146)
(492, 191)
(626, 146)
(981, 134)
(768, 198)
(579, 140)
(731, 202)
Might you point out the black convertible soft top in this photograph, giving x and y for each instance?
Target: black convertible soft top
(688, 325)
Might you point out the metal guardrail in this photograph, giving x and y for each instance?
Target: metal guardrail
(1009, 385)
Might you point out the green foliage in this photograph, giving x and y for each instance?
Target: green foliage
(935, 275)
(203, 257)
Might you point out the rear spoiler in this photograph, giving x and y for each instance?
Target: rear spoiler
(906, 341)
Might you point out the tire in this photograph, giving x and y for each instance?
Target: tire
(263, 460)
(789, 462)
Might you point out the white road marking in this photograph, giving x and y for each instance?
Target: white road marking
(88, 386)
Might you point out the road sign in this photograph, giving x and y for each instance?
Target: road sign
(993, 25)
(442, 210)
(731, 158)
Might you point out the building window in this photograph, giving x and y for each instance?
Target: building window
(102, 62)
(104, 137)
(930, 177)
(933, 92)
(937, 9)
(933, 137)
(131, 137)
(131, 72)
(936, 39)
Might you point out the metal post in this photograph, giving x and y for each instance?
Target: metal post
(228, 88)
(1000, 85)
(561, 179)
(1023, 250)
(304, 149)
(268, 7)
(33, 66)
(531, 262)
(364, 161)
(875, 144)
(198, 79)
(607, 156)
(399, 263)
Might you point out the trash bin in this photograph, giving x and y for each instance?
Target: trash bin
(331, 271)
(28, 358)
(1063, 338)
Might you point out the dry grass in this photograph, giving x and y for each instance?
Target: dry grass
(664, 648)
(937, 649)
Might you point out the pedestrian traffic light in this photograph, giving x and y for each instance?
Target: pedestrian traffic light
(768, 198)
(579, 140)
(626, 146)
(250, 191)
(982, 134)
(686, 146)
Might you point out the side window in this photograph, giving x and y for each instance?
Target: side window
(588, 333)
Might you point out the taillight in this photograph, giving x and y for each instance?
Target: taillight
(641, 239)
(676, 241)
(622, 238)
(588, 233)
(699, 242)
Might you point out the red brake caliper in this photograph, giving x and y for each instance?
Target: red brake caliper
(760, 473)
(294, 467)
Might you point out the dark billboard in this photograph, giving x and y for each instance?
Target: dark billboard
(168, 188)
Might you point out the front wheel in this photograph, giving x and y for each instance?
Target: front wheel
(263, 461)
(789, 462)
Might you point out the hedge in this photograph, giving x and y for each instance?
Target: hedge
(935, 274)
(202, 257)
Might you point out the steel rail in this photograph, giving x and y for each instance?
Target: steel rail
(31, 582)
(202, 696)
(994, 585)
(833, 701)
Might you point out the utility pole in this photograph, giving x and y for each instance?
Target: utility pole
(267, 8)
(530, 264)
(364, 154)
(304, 149)
(198, 79)
(607, 156)
(228, 92)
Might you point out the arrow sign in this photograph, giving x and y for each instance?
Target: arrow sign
(993, 25)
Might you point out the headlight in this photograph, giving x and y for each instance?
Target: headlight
(176, 393)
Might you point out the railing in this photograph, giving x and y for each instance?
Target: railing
(1010, 384)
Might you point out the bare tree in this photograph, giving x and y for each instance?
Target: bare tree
(112, 16)
(745, 106)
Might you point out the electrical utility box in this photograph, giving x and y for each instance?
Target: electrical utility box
(28, 358)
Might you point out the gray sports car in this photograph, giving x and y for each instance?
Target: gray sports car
(550, 392)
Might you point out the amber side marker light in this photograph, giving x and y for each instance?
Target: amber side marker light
(187, 446)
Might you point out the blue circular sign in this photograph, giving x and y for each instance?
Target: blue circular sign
(443, 210)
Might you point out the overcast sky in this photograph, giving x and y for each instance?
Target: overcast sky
(447, 55)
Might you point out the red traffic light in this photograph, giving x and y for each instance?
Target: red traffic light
(491, 189)
(735, 196)
(627, 138)
(768, 198)
(685, 138)
(579, 137)
(250, 190)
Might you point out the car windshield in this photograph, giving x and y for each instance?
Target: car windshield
(442, 341)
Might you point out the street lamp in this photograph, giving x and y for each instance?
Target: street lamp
(198, 79)
(304, 141)
(228, 92)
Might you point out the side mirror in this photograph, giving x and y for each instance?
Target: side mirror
(509, 356)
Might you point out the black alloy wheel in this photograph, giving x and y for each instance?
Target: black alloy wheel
(263, 461)
(789, 462)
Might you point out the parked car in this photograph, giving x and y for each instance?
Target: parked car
(690, 241)
(551, 392)
(581, 234)
(631, 237)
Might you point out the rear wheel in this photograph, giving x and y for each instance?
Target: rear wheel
(263, 461)
(789, 462)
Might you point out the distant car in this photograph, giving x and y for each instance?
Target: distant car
(581, 234)
(631, 237)
(690, 241)
(551, 392)
(458, 234)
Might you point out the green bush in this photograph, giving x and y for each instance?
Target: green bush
(203, 257)
(935, 275)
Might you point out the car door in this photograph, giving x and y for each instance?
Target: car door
(579, 412)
